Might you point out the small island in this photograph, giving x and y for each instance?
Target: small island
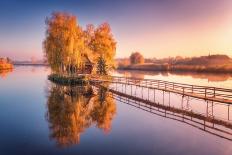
(5, 64)
(76, 54)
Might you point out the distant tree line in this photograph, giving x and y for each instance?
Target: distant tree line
(137, 58)
(211, 63)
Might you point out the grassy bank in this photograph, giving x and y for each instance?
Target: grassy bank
(69, 80)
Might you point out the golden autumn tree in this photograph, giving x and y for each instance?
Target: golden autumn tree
(103, 45)
(64, 42)
(89, 34)
(66, 45)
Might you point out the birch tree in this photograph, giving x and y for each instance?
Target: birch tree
(64, 42)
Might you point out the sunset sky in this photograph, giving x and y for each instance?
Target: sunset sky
(156, 28)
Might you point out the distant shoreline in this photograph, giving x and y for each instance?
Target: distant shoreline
(30, 64)
(162, 68)
(217, 63)
(154, 68)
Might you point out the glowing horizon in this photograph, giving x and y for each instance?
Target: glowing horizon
(156, 29)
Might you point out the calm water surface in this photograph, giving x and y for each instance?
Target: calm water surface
(204, 79)
(38, 117)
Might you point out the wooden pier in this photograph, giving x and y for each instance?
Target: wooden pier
(207, 122)
(214, 94)
(149, 95)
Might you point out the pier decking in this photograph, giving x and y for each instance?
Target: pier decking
(214, 94)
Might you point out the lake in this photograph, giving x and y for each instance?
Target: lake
(40, 117)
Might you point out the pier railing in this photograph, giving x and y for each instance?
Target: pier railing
(203, 92)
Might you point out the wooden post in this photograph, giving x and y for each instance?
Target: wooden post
(154, 95)
(191, 115)
(131, 90)
(135, 89)
(205, 92)
(142, 92)
(148, 94)
(228, 112)
(163, 97)
(125, 88)
(214, 92)
(212, 108)
(204, 125)
(182, 101)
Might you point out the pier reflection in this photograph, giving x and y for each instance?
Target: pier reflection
(71, 110)
(209, 121)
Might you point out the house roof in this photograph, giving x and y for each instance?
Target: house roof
(87, 58)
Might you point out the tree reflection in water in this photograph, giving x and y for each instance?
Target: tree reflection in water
(71, 110)
(4, 73)
(104, 110)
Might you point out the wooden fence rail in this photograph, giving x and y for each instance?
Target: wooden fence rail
(202, 92)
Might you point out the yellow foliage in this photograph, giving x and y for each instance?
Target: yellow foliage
(66, 42)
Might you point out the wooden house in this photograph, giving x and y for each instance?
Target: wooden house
(87, 67)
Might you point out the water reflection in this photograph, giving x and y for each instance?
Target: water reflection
(24, 129)
(211, 124)
(195, 78)
(211, 77)
(71, 110)
(133, 74)
(4, 73)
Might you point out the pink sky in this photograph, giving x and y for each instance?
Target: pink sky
(154, 28)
